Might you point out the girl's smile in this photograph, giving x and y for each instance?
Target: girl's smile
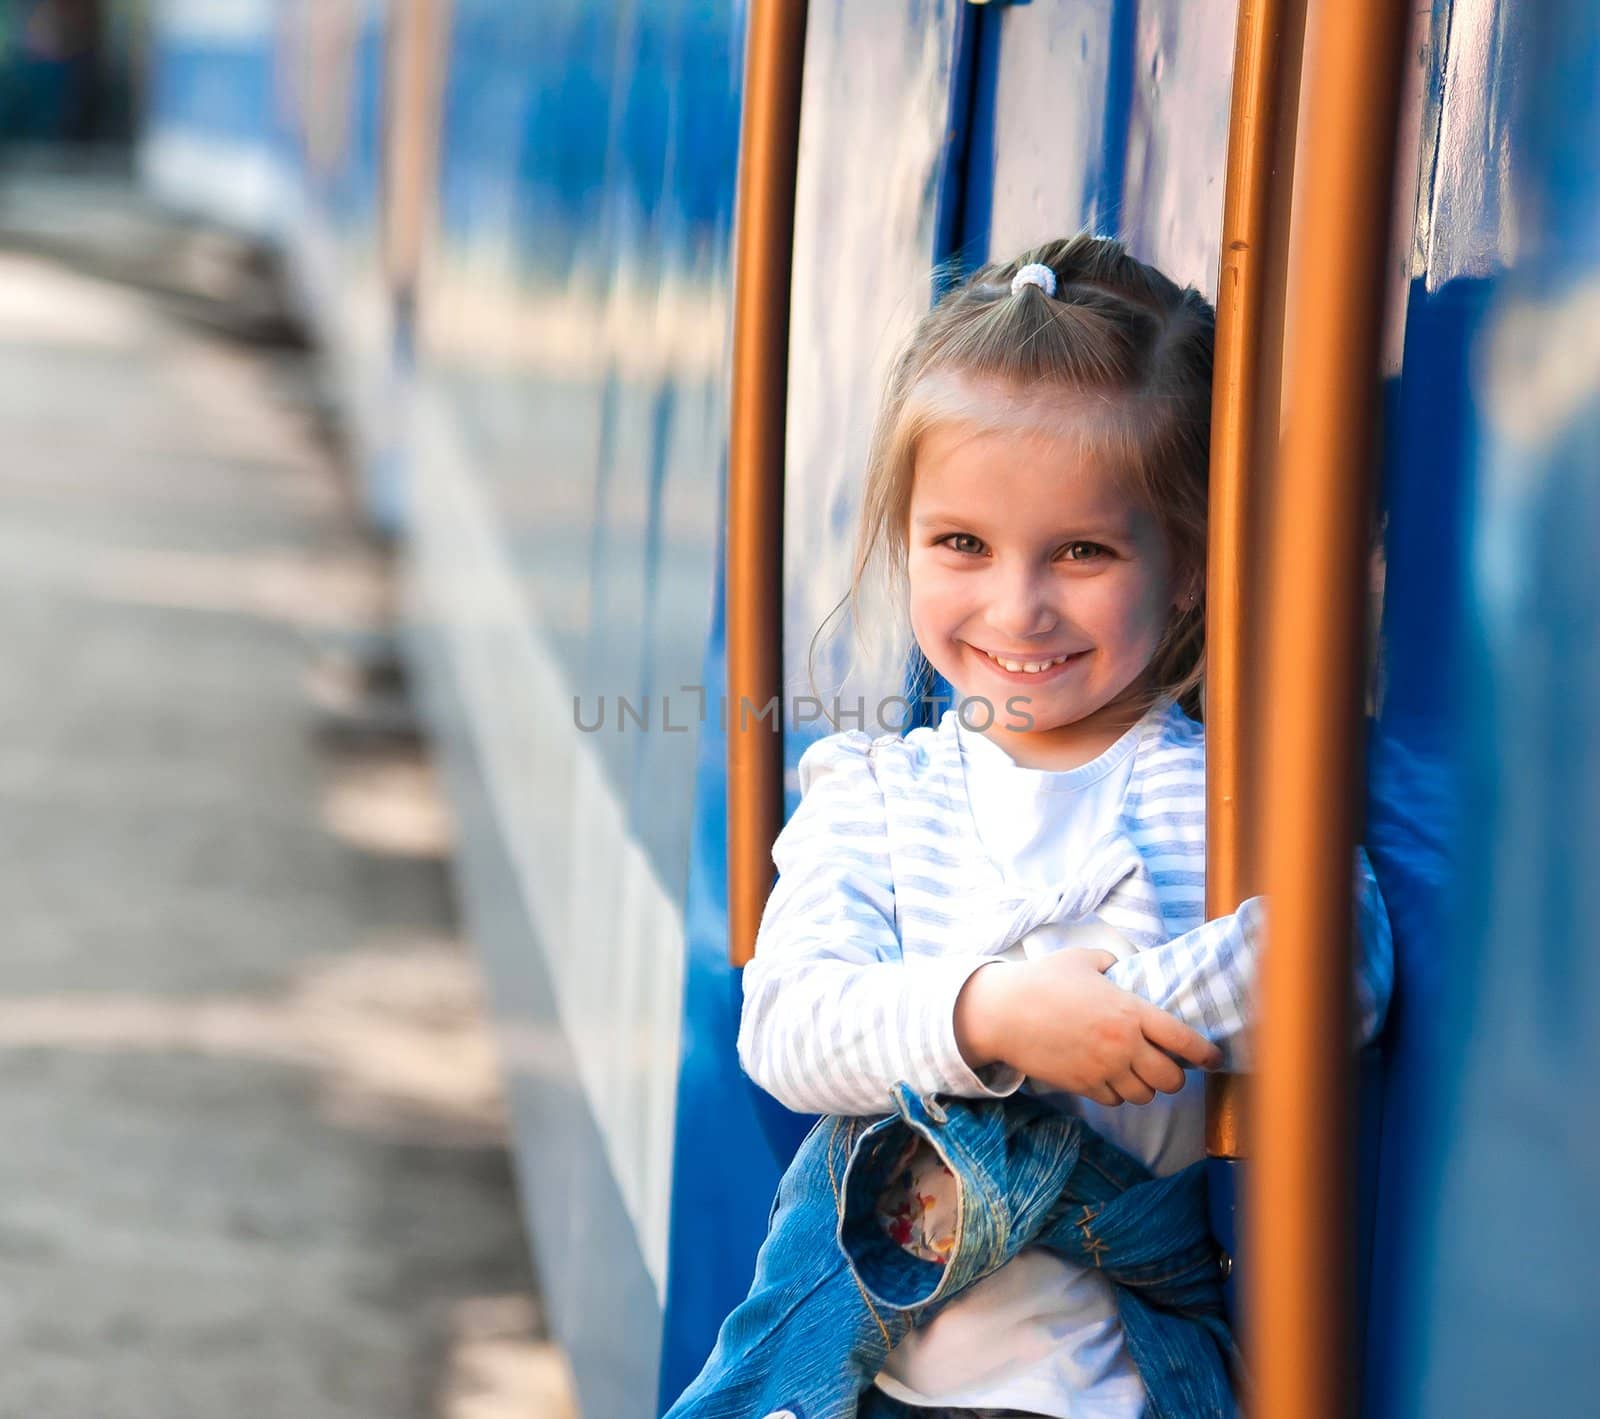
(1029, 666)
(1037, 582)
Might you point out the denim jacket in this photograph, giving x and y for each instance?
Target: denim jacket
(833, 1294)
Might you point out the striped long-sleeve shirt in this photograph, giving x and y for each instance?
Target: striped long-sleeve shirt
(886, 902)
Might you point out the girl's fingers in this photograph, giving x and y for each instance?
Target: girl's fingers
(1172, 1035)
(1158, 1070)
(1132, 1088)
(1104, 1094)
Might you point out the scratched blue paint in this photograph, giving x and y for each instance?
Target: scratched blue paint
(965, 246)
(874, 203)
(1112, 116)
(1470, 220)
(1494, 1270)
(971, 91)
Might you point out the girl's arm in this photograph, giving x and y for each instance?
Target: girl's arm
(1207, 976)
(834, 1015)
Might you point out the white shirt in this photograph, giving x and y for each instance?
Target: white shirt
(1040, 1335)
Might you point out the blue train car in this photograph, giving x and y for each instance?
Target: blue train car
(214, 134)
(569, 448)
(543, 379)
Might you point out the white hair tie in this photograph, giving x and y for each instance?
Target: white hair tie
(1034, 274)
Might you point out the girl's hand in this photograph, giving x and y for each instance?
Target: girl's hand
(1060, 1021)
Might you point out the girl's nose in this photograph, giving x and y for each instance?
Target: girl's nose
(1020, 606)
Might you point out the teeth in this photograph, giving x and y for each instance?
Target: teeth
(1025, 667)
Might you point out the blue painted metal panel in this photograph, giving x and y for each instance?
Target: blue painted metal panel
(210, 121)
(875, 208)
(1459, 240)
(573, 338)
(1469, 227)
(577, 320)
(221, 91)
(732, 1138)
(333, 58)
(1112, 116)
(1494, 1271)
(971, 98)
(1413, 773)
(600, 1298)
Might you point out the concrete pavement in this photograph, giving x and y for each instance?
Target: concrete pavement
(250, 1142)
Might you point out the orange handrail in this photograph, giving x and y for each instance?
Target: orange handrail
(1244, 425)
(763, 249)
(1300, 1278)
(418, 44)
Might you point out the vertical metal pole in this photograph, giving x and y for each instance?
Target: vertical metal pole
(1244, 427)
(416, 62)
(1300, 1214)
(763, 251)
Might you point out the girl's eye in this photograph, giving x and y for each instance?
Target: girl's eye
(962, 542)
(1083, 551)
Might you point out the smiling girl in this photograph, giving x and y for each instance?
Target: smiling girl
(1012, 899)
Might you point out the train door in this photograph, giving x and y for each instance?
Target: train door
(930, 138)
(1114, 116)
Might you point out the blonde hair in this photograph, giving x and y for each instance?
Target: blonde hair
(1129, 351)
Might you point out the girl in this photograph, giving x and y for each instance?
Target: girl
(1013, 898)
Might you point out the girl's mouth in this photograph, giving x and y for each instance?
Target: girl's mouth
(1030, 670)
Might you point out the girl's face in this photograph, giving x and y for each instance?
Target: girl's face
(1036, 584)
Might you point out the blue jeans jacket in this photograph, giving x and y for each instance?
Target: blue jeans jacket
(833, 1294)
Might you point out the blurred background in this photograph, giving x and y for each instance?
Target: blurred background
(254, 1155)
(69, 70)
(364, 368)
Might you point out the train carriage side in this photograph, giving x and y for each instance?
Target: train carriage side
(1483, 767)
(568, 433)
(213, 133)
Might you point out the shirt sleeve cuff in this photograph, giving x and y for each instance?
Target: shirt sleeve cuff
(958, 1078)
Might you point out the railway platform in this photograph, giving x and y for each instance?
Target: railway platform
(252, 1158)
